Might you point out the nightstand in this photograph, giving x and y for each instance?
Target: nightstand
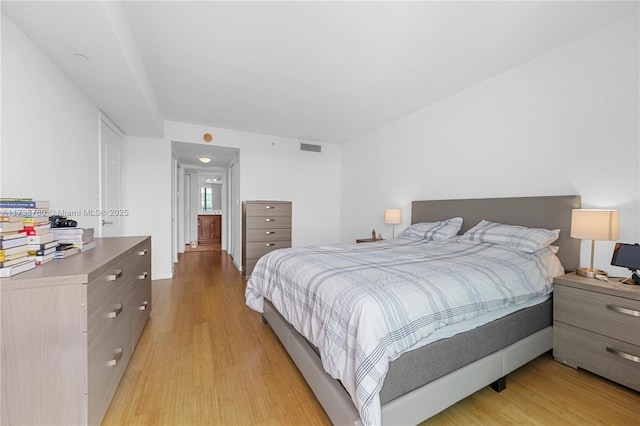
(596, 327)
(369, 240)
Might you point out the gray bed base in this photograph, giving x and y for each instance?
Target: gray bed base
(419, 404)
(411, 408)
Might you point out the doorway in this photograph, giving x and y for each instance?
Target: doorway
(191, 182)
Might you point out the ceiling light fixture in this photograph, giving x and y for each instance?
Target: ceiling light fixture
(204, 160)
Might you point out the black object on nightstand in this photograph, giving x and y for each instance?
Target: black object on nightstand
(628, 256)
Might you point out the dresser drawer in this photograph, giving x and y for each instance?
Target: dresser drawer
(108, 366)
(104, 289)
(142, 308)
(109, 332)
(257, 250)
(597, 353)
(267, 209)
(613, 316)
(270, 222)
(255, 235)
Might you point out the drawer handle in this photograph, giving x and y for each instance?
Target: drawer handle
(269, 207)
(269, 220)
(269, 232)
(117, 357)
(117, 311)
(622, 310)
(624, 355)
(143, 275)
(143, 307)
(115, 276)
(143, 252)
(270, 244)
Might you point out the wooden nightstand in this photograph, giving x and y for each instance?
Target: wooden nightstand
(596, 326)
(369, 240)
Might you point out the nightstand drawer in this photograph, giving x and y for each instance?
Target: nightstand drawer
(598, 354)
(613, 316)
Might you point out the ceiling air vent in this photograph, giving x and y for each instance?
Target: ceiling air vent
(310, 147)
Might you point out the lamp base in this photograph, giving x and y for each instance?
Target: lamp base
(589, 272)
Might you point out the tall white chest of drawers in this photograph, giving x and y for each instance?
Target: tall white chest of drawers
(266, 226)
(69, 329)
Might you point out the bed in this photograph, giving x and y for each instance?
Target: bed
(421, 379)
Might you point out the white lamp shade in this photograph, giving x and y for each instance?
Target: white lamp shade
(393, 216)
(594, 224)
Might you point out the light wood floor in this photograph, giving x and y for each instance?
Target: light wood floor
(205, 358)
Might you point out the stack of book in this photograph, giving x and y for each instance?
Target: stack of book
(40, 239)
(14, 257)
(23, 222)
(73, 240)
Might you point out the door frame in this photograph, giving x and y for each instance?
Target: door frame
(104, 119)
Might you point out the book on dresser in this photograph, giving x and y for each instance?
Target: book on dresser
(24, 203)
(10, 227)
(16, 240)
(18, 268)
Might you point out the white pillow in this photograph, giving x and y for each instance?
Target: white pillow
(516, 237)
(436, 231)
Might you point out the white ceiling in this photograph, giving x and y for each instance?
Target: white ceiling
(315, 71)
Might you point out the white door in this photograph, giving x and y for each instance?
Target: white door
(174, 208)
(111, 209)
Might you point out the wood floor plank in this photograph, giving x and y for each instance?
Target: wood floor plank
(205, 358)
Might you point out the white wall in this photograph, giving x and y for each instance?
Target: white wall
(274, 168)
(148, 198)
(566, 122)
(50, 130)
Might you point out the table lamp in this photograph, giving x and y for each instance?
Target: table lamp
(393, 217)
(594, 224)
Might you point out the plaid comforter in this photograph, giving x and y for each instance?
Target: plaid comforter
(364, 305)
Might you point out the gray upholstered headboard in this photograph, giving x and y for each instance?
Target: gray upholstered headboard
(552, 212)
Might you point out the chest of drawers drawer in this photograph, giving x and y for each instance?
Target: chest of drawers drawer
(268, 209)
(103, 291)
(141, 308)
(259, 249)
(270, 222)
(111, 344)
(612, 316)
(267, 235)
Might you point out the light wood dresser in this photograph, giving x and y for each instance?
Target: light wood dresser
(69, 328)
(596, 326)
(266, 226)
